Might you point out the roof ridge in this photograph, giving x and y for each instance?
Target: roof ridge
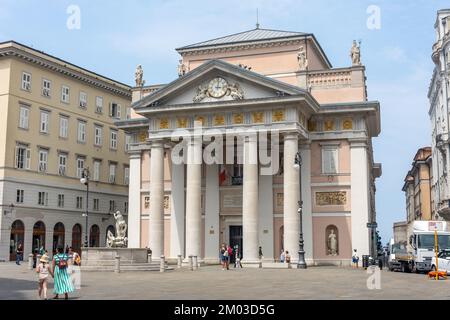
(211, 41)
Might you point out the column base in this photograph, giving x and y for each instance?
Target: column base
(252, 264)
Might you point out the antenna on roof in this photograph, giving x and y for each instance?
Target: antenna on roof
(257, 18)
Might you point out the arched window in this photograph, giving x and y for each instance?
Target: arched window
(58, 236)
(17, 236)
(38, 236)
(332, 240)
(76, 238)
(94, 236)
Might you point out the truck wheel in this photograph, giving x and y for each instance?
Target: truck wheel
(405, 268)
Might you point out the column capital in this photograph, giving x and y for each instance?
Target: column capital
(358, 143)
(135, 154)
(159, 143)
(291, 136)
(305, 145)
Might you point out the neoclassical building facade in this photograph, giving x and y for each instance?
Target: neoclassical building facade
(212, 158)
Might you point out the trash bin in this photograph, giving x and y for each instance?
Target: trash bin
(365, 261)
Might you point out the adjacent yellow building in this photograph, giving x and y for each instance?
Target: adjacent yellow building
(55, 120)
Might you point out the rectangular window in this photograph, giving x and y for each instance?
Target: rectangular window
(112, 205)
(128, 113)
(99, 104)
(62, 164)
(80, 167)
(112, 173)
(115, 110)
(125, 207)
(19, 196)
(45, 116)
(65, 94)
(43, 160)
(26, 81)
(23, 157)
(96, 170)
(43, 198)
(126, 176)
(79, 202)
(83, 100)
(98, 135)
(96, 204)
(63, 127)
(127, 142)
(330, 161)
(146, 202)
(113, 140)
(81, 131)
(46, 88)
(60, 201)
(24, 117)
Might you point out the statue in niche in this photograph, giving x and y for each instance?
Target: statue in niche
(332, 241)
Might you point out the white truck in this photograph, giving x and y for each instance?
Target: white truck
(417, 254)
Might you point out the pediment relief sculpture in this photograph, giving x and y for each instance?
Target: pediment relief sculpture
(218, 88)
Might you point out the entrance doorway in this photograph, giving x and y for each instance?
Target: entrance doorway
(76, 238)
(236, 240)
(58, 236)
(38, 236)
(17, 236)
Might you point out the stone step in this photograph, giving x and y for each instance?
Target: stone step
(129, 267)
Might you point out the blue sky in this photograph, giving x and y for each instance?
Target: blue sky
(114, 37)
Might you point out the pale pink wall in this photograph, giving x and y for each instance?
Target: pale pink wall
(167, 238)
(144, 233)
(263, 60)
(277, 223)
(336, 95)
(344, 163)
(343, 225)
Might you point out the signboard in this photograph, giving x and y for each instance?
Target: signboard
(372, 225)
(435, 225)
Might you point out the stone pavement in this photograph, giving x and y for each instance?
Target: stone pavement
(17, 282)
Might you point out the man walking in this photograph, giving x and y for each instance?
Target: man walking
(19, 252)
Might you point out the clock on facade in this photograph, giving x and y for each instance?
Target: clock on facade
(217, 87)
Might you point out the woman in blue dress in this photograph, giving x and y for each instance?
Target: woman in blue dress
(63, 283)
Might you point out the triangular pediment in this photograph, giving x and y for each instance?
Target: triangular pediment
(217, 81)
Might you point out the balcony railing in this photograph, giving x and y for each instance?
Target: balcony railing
(330, 78)
(236, 181)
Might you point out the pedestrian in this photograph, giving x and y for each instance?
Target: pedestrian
(42, 270)
(237, 258)
(19, 252)
(288, 257)
(230, 254)
(74, 257)
(355, 258)
(63, 283)
(67, 249)
(223, 256)
(260, 253)
(282, 256)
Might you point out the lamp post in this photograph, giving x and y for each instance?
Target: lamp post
(301, 264)
(85, 180)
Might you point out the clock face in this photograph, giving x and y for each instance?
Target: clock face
(217, 87)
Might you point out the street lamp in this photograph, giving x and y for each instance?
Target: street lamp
(301, 264)
(85, 180)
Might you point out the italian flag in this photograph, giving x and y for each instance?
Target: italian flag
(222, 174)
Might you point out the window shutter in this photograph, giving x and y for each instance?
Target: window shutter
(110, 109)
(17, 156)
(28, 158)
(119, 111)
(333, 161)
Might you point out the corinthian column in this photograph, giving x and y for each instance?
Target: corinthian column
(250, 201)
(193, 199)
(156, 221)
(291, 197)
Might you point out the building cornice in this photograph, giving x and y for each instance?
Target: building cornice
(13, 49)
